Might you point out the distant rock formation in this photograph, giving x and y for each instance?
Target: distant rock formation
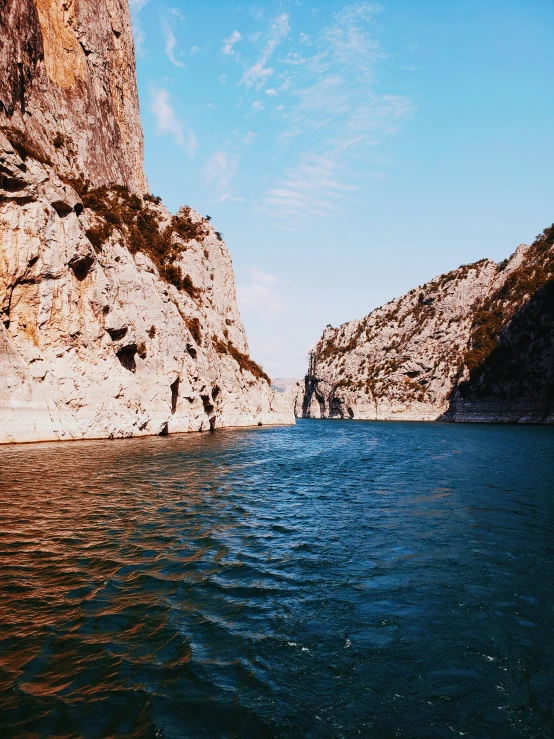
(475, 344)
(116, 318)
(293, 392)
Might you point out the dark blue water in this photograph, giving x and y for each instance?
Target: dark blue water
(336, 579)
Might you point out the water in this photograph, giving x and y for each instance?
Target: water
(336, 579)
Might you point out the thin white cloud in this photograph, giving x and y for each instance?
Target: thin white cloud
(315, 188)
(138, 33)
(218, 172)
(170, 45)
(137, 5)
(330, 79)
(260, 299)
(329, 94)
(380, 113)
(177, 13)
(229, 43)
(249, 138)
(192, 144)
(139, 38)
(264, 277)
(257, 12)
(262, 296)
(329, 85)
(258, 73)
(257, 105)
(348, 40)
(230, 197)
(167, 121)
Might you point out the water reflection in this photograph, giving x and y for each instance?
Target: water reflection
(387, 579)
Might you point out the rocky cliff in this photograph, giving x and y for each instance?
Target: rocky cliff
(293, 392)
(476, 344)
(117, 318)
(68, 89)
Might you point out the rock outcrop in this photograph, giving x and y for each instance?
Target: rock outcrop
(293, 392)
(68, 89)
(476, 344)
(116, 318)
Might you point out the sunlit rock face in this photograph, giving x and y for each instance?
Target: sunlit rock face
(117, 319)
(68, 86)
(476, 344)
(293, 392)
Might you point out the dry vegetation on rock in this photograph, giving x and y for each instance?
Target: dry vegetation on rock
(138, 221)
(480, 331)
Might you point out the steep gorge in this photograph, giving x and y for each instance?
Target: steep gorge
(475, 344)
(117, 318)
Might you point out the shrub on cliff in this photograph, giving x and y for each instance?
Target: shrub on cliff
(117, 208)
(496, 312)
(243, 360)
(193, 325)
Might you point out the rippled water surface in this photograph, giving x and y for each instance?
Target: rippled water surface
(336, 579)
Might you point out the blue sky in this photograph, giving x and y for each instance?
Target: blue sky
(348, 151)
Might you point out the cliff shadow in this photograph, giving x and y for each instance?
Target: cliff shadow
(515, 381)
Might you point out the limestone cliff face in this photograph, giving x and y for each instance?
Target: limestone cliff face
(476, 344)
(508, 374)
(117, 319)
(68, 87)
(292, 390)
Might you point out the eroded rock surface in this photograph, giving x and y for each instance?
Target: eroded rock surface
(117, 319)
(476, 344)
(68, 87)
(293, 392)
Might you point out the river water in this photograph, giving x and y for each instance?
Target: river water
(335, 579)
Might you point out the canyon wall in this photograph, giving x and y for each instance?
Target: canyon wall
(68, 87)
(476, 344)
(293, 391)
(116, 318)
